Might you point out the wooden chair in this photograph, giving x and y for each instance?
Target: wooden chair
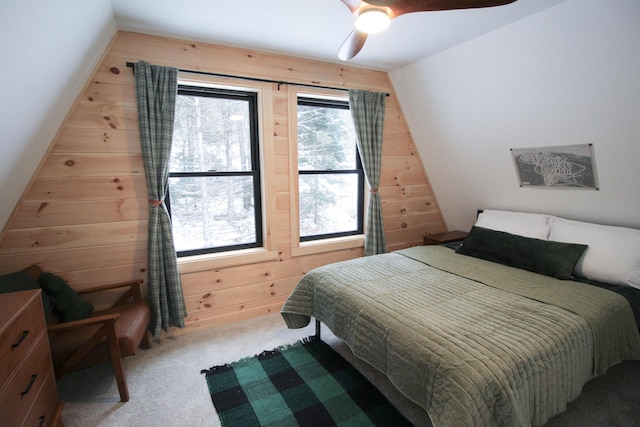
(106, 335)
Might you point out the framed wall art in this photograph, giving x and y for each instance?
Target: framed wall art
(564, 166)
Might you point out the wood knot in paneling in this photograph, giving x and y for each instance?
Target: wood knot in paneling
(110, 122)
(119, 187)
(115, 70)
(42, 207)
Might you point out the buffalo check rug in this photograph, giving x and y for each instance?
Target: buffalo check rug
(303, 384)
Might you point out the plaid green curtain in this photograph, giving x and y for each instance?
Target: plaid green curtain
(156, 91)
(367, 109)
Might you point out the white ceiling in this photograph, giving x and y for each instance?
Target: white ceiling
(315, 29)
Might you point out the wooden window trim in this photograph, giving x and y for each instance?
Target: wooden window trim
(268, 251)
(322, 245)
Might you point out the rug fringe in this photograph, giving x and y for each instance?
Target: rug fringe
(275, 351)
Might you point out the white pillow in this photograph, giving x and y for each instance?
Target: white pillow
(520, 227)
(533, 218)
(613, 255)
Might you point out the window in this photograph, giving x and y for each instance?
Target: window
(214, 171)
(330, 174)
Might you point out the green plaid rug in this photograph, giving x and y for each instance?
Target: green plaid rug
(304, 384)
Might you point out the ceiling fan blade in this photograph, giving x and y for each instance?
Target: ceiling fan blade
(353, 5)
(394, 8)
(400, 7)
(381, 3)
(352, 45)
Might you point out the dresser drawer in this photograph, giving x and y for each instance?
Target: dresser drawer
(18, 335)
(20, 392)
(43, 411)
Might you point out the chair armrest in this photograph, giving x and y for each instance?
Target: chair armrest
(89, 321)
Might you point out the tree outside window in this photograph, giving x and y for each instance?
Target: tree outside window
(331, 179)
(214, 178)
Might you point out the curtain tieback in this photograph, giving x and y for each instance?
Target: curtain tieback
(373, 191)
(155, 203)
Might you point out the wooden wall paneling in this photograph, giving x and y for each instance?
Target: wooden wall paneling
(390, 178)
(113, 68)
(84, 215)
(402, 163)
(78, 140)
(104, 117)
(58, 213)
(203, 282)
(77, 259)
(241, 294)
(200, 56)
(419, 222)
(195, 321)
(47, 189)
(73, 236)
(90, 278)
(407, 192)
(92, 164)
(101, 93)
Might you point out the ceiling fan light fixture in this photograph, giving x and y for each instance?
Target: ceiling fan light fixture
(373, 20)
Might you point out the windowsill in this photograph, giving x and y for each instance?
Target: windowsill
(328, 245)
(196, 263)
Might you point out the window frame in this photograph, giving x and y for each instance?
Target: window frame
(266, 141)
(254, 172)
(358, 171)
(298, 248)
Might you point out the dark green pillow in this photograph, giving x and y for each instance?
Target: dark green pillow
(69, 304)
(25, 280)
(546, 257)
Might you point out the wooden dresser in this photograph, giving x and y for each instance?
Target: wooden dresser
(28, 393)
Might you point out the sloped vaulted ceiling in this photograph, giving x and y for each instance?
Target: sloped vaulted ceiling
(50, 48)
(48, 51)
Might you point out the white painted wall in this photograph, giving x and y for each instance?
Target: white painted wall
(48, 51)
(567, 75)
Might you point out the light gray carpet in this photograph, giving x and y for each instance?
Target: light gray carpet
(167, 389)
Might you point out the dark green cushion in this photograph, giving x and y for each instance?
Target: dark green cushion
(69, 304)
(25, 280)
(546, 257)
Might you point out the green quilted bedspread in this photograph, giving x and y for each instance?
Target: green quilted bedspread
(473, 342)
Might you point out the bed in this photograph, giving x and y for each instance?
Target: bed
(501, 330)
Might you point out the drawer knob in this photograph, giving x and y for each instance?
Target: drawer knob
(22, 337)
(31, 383)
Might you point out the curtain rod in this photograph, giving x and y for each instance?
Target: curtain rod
(254, 79)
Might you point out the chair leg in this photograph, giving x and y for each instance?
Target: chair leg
(146, 342)
(116, 362)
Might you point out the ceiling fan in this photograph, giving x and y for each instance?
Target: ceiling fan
(375, 15)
